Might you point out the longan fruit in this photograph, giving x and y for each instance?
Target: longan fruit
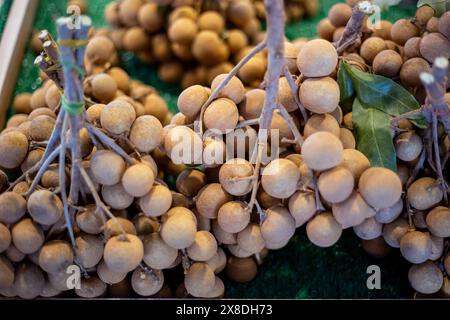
(425, 277)
(156, 202)
(423, 14)
(37, 99)
(27, 236)
(209, 49)
(444, 24)
(203, 248)
(123, 253)
(150, 18)
(325, 29)
(279, 178)
(437, 247)
(41, 111)
(412, 47)
(53, 96)
(107, 275)
(116, 226)
(45, 207)
(90, 220)
(352, 211)
(14, 254)
(387, 215)
(416, 246)
(339, 14)
(355, 161)
(239, 12)
(394, 231)
(408, 146)
(336, 185)
(16, 120)
(424, 193)
(387, 63)
(317, 58)
(99, 50)
(88, 250)
(377, 248)
(199, 279)
(233, 90)
(321, 122)
(241, 270)
(138, 179)
(104, 87)
(14, 146)
(146, 133)
(22, 103)
(230, 174)
(211, 20)
(55, 256)
(322, 150)
(380, 187)
(41, 128)
(5, 237)
(218, 290)
(323, 230)
(347, 138)
(236, 40)
(253, 71)
(438, 221)
(180, 228)
(107, 175)
(369, 229)
(319, 95)
(182, 30)
(237, 251)
(155, 106)
(190, 181)
(233, 216)
(157, 254)
(222, 236)
(91, 287)
(383, 31)
(117, 116)
(278, 227)
(144, 225)
(21, 187)
(402, 30)
(218, 261)
(221, 115)
(210, 198)
(146, 283)
(371, 47)
(135, 39)
(250, 239)
(121, 77)
(12, 207)
(338, 33)
(116, 196)
(128, 12)
(434, 45)
(33, 157)
(265, 200)
(28, 281)
(302, 206)
(183, 145)
(161, 50)
(285, 97)
(191, 100)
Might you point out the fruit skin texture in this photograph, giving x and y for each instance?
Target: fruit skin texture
(336, 185)
(380, 187)
(438, 222)
(241, 270)
(387, 63)
(156, 202)
(210, 198)
(302, 206)
(434, 45)
(356, 162)
(353, 211)
(14, 146)
(408, 146)
(199, 279)
(107, 175)
(317, 58)
(425, 278)
(394, 231)
(191, 100)
(322, 150)
(234, 90)
(179, 230)
(416, 246)
(371, 47)
(55, 256)
(411, 70)
(323, 230)
(123, 253)
(27, 236)
(320, 95)
(233, 216)
(424, 193)
(278, 227)
(6, 274)
(117, 116)
(146, 133)
(45, 207)
(234, 168)
(402, 30)
(145, 284)
(279, 178)
(204, 247)
(138, 179)
(222, 115)
(12, 207)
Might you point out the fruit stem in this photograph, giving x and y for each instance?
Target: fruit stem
(298, 137)
(354, 27)
(294, 90)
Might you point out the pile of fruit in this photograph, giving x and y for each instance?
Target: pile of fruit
(191, 42)
(312, 146)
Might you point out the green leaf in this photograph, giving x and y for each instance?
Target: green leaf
(373, 136)
(346, 88)
(381, 93)
(437, 5)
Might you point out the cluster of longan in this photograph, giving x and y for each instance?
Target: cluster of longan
(190, 43)
(401, 50)
(34, 248)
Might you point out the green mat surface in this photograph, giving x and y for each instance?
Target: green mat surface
(300, 270)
